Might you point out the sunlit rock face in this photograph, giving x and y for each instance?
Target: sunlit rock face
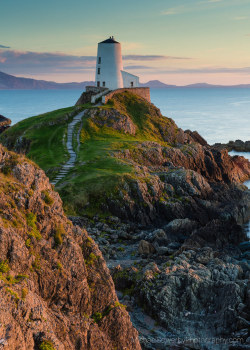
(56, 290)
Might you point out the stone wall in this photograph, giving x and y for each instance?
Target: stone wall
(91, 94)
(143, 92)
(95, 89)
(95, 97)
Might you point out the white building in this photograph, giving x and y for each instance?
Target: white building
(109, 67)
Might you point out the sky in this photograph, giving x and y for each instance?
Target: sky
(175, 41)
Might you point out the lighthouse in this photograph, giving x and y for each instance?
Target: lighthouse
(109, 67)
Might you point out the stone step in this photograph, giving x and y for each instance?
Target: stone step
(69, 145)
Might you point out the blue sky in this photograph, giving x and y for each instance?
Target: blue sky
(175, 41)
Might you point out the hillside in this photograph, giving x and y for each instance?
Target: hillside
(8, 81)
(56, 291)
(166, 209)
(124, 145)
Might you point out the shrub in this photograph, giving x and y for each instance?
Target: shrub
(31, 219)
(6, 170)
(91, 259)
(36, 265)
(59, 266)
(31, 222)
(47, 198)
(121, 249)
(24, 293)
(59, 233)
(46, 345)
(27, 243)
(13, 294)
(89, 242)
(117, 304)
(4, 266)
(97, 317)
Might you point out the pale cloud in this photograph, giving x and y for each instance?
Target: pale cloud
(153, 57)
(213, 1)
(170, 12)
(25, 62)
(131, 46)
(187, 8)
(207, 70)
(137, 67)
(240, 18)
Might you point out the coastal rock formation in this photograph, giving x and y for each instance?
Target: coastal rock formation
(4, 123)
(135, 164)
(167, 211)
(185, 280)
(238, 145)
(56, 291)
(111, 118)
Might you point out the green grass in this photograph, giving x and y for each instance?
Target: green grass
(98, 174)
(45, 133)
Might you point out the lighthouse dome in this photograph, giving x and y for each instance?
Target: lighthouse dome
(110, 40)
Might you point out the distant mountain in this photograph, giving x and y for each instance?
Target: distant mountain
(202, 85)
(157, 84)
(8, 82)
(209, 86)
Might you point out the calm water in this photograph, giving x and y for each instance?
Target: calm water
(219, 115)
(21, 104)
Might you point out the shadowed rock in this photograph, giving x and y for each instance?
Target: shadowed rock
(4, 123)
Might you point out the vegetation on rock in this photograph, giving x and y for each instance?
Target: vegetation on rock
(40, 297)
(131, 160)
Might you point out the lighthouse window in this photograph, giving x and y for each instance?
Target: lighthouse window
(103, 84)
(99, 60)
(98, 84)
(98, 70)
(131, 84)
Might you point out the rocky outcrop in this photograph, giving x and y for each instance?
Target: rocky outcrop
(213, 165)
(4, 123)
(238, 145)
(111, 118)
(186, 281)
(56, 291)
(196, 294)
(197, 137)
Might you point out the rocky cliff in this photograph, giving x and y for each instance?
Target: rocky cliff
(175, 174)
(238, 145)
(167, 211)
(56, 291)
(4, 123)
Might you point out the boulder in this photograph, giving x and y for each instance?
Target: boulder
(146, 248)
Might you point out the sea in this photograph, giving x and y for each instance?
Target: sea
(218, 114)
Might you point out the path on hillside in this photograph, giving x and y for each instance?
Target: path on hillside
(69, 144)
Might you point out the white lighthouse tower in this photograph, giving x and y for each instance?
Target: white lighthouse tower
(109, 67)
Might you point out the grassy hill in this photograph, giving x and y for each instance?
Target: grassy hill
(98, 172)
